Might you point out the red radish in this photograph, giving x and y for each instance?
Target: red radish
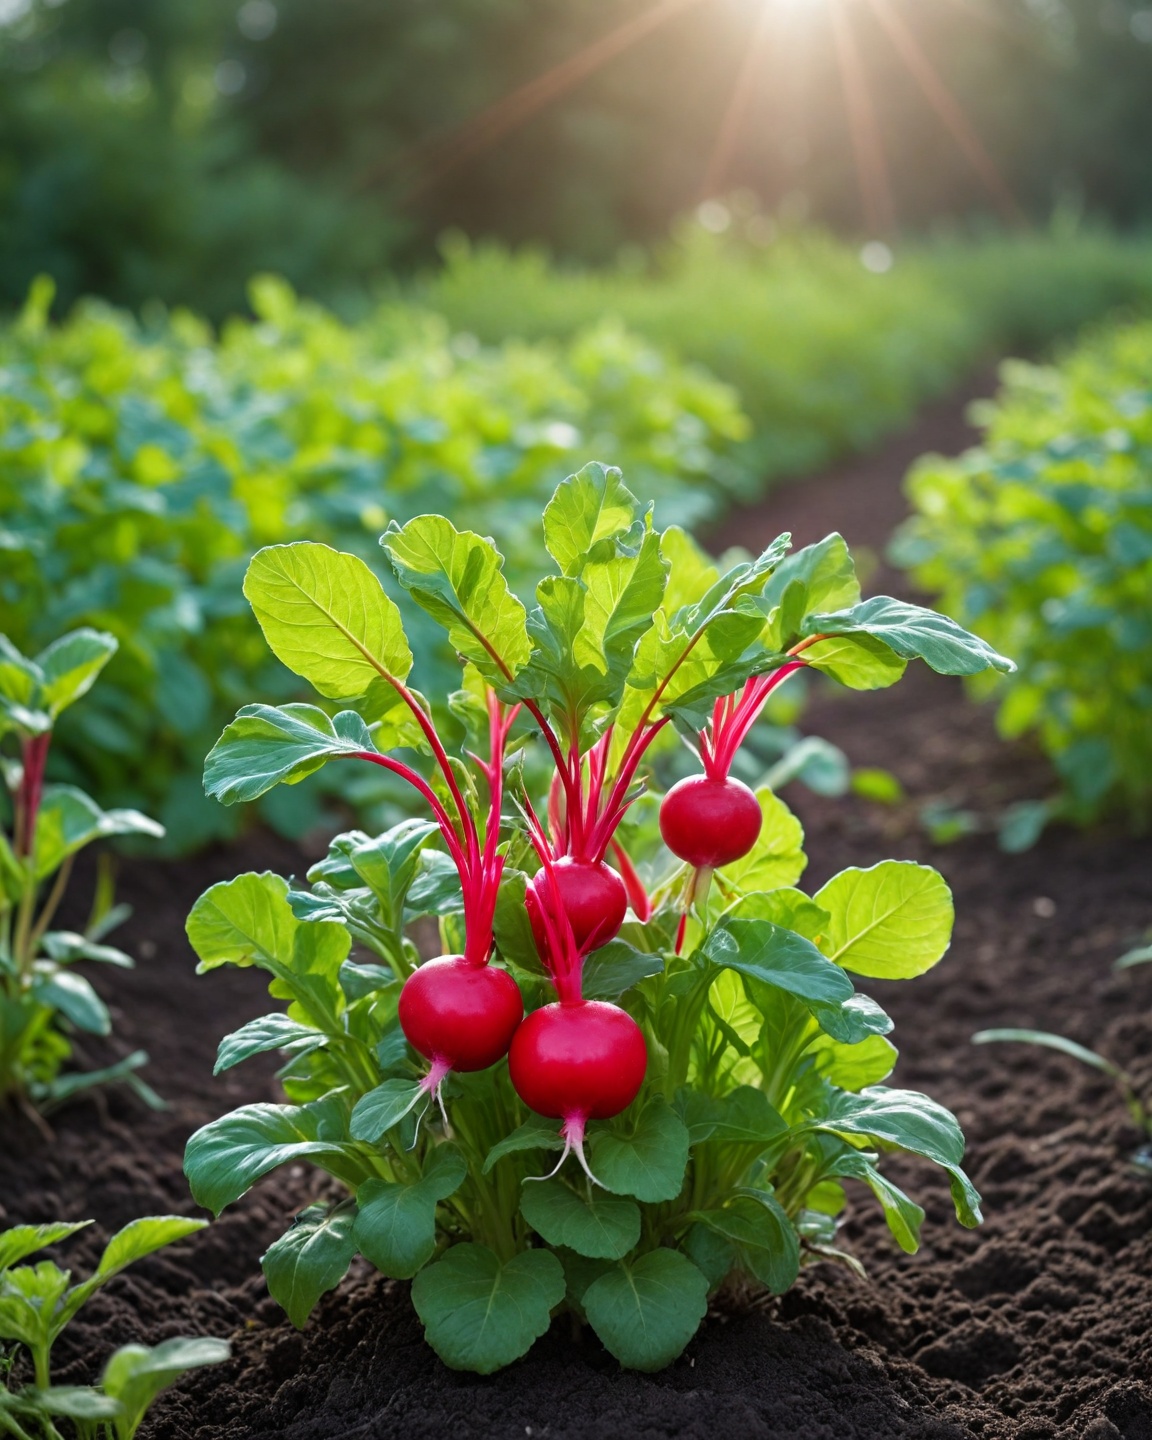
(709, 821)
(578, 1062)
(459, 1015)
(459, 1012)
(593, 897)
(585, 1059)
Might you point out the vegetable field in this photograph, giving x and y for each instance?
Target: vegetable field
(575, 720)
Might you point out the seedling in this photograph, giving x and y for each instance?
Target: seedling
(699, 1048)
(37, 1302)
(43, 1000)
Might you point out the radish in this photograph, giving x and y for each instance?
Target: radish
(458, 1011)
(578, 1061)
(593, 897)
(459, 1015)
(710, 822)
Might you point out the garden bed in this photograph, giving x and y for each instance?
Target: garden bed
(1033, 1326)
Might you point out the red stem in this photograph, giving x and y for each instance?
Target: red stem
(562, 960)
(731, 723)
(35, 759)
(637, 895)
(443, 819)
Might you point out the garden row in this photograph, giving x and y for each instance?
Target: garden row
(142, 463)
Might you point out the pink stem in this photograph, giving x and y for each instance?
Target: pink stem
(447, 829)
(743, 715)
(617, 805)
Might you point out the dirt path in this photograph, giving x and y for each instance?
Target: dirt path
(1035, 1326)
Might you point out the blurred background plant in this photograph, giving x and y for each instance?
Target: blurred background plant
(1041, 538)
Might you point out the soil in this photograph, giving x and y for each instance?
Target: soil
(1033, 1326)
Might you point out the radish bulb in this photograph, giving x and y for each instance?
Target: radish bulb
(575, 1062)
(593, 898)
(710, 822)
(459, 1015)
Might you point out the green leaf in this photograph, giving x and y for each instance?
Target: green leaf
(903, 1215)
(268, 745)
(825, 572)
(616, 967)
(554, 675)
(861, 662)
(68, 820)
(775, 956)
(136, 1374)
(586, 510)
(853, 1066)
(480, 1315)
(765, 1240)
(326, 616)
(710, 1253)
(24, 1240)
(457, 577)
(66, 947)
(536, 1134)
(269, 1032)
(396, 1226)
(309, 1259)
(599, 1227)
(384, 1107)
(31, 1297)
(691, 573)
(140, 1238)
(70, 665)
(745, 1116)
(622, 595)
(20, 685)
(906, 1120)
(777, 859)
(226, 1157)
(647, 1159)
(645, 1311)
(72, 1402)
(890, 922)
(249, 921)
(72, 996)
(914, 632)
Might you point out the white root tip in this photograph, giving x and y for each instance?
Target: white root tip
(574, 1137)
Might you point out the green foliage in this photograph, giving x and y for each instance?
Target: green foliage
(826, 357)
(1043, 537)
(144, 464)
(37, 1302)
(765, 1064)
(43, 1000)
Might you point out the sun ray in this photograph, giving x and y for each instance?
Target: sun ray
(947, 108)
(743, 94)
(867, 145)
(435, 157)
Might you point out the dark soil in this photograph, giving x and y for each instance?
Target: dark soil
(1034, 1326)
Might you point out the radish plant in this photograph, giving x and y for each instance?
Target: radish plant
(37, 1303)
(696, 1078)
(43, 1000)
